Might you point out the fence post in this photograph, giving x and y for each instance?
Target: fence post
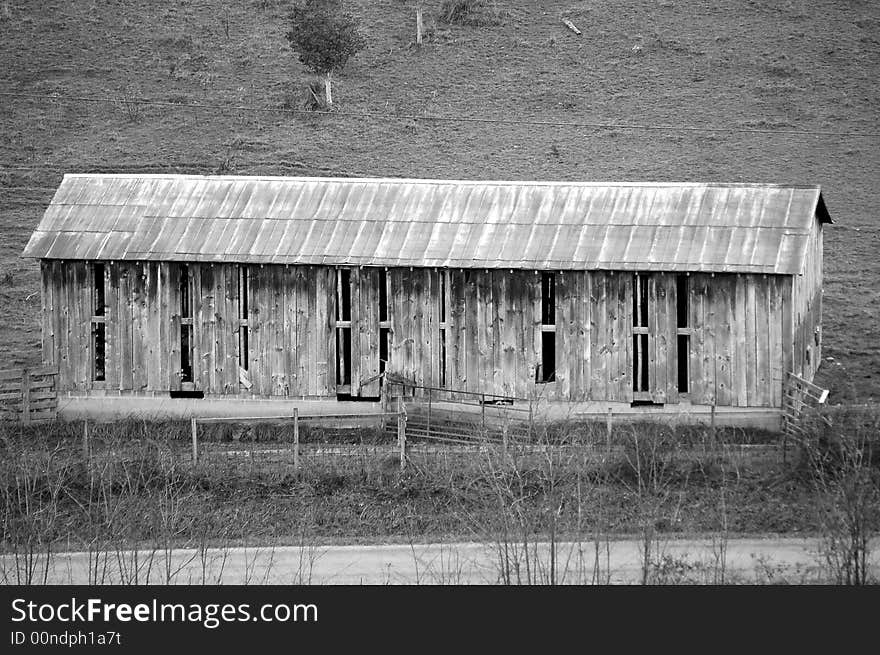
(401, 432)
(430, 393)
(25, 396)
(483, 414)
(608, 428)
(419, 25)
(504, 438)
(195, 442)
(296, 438)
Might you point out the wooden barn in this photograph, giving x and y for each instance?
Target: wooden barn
(668, 295)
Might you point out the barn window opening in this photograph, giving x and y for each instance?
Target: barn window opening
(343, 329)
(640, 333)
(186, 326)
(683, 332)
(243, 325)
(99, 326)
(384, 322)
(547, 370)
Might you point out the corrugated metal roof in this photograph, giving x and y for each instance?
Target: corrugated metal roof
(442, 223)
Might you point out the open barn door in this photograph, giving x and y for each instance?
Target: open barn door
(653, 341)
(357, 332)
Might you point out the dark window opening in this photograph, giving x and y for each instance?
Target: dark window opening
(384, 338)
(185, 304)
(186, 326)
(683, 351)
(99, 290)
(548, 299)
(442, 296)
(383, 295)
(186, 371)
(99, 340)
(243, 292)
(442, 372)
(547, 369)
(343, 350)
(99, 330)
(681, 300)
(640, 362)
(640, 300)
(343, 307)
(548, 357)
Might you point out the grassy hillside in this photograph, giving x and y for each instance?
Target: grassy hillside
(744, 67)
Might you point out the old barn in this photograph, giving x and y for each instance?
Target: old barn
(670, 295)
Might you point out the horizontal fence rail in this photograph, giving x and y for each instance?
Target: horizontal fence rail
(28, 394)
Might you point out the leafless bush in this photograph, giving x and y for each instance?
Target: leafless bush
(129, 103)
(842, 458)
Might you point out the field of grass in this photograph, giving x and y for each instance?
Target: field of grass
(809, 71)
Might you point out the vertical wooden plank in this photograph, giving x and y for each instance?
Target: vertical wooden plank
(455, 343)
(84, 325)
(172, 303)
(751, 345)
(127, 273)
(430, 352)
(509, 313)
(723, 299)
(203, 325)
(592, 341)
(762, 341)
(579, 353)
(739, 356)
(473, 329)
(111, 359)
(775, 344)
(586, 334)
(255, 329)
(657, 344)
(152, 320)
(279, 355)
(229, 332)
(564, 336)
(534, 291)
(598, 336)
(65, 284)
(516, 331)
(288, 330)
(671, 333)
(367, 331)
(614, 334)
(698, 338)
(46, 312)
(625, 307)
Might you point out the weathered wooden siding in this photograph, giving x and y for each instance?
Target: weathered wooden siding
(739, 331)
(807, 309)
(736, 345)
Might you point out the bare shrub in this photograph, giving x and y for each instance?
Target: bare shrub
(842, 459)
(129, 103)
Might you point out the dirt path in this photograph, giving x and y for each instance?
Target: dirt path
(752, 561)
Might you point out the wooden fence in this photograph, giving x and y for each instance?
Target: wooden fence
(801, 399)
(28, 394)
